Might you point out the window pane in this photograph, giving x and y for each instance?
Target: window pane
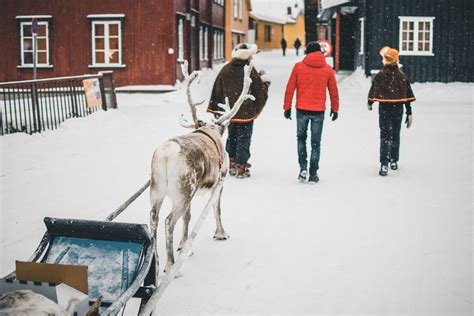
(410, 46)
(404, 46)
(404, 36)
(99, 57)
(421, 26)
(114, 57)
(113, 29)
(28, 58)
(427, 46)
(28, 44)
(412, 24)
(114, 43)
(41, 43)
(427, 26)
(42, 30)
(42, 58)
(405, 25)
(420, 46)
(99, 29)
(420, 36)
(99, 43)
(27, 30)
(411, 36)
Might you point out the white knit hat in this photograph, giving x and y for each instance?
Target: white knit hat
(244, 51)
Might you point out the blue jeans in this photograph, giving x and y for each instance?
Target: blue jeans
(238, 141)
(302, 122)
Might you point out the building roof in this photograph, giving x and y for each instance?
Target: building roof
(267, 18)
(326, 4)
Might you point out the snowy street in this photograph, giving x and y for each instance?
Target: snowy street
(354, 243)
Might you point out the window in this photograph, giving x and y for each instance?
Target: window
(180, 39)
(268, 33)
(206, 43)
(416, 35)
(241, 9)
(236, 9)
(219, 2)
(256, 31)
(107, 43)
(42, 42)
(362, 30)
(201, 46)
(218, 44)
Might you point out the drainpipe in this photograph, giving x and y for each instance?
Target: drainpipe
(338, 39)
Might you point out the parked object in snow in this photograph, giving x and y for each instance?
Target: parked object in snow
(186, 164)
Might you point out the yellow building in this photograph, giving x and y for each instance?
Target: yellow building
(294, 27)
(236, 24)
(268, 31)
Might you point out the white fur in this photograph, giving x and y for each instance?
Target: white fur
(266, 78)
(239, 53)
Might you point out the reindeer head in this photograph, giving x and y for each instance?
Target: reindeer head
(227, 113)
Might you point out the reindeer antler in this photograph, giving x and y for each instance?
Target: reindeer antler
(230, 113)
(189, 80)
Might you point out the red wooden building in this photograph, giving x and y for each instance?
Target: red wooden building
(142, 41)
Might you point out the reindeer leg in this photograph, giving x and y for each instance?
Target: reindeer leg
(220, 233)
(186, 220)
(170, 222)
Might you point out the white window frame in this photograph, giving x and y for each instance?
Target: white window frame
(180, 39)
(22, 48)
(415, 20)
(362, 36)
(201, 44)
(241, 9)
(206, 43)
(236, 9)
(107, 64)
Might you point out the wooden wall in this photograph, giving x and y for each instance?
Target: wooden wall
(452, 41)
(149, 29)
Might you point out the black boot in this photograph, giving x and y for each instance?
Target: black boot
(313, 179)
(394, 165)
(383, 170)
(302, 175)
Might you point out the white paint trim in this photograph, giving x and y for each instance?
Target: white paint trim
(106, 37)
(28, 66)
(415, 20)
(362, 36)
(22, 55)
(106, 16)
(22, 17)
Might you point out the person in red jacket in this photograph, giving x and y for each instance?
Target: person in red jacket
(310, 78)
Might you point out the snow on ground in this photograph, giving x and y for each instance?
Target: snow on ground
(355, 243)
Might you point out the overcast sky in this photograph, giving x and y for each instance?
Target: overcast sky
(273, 7)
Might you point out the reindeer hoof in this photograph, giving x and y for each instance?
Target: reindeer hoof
(223, 236)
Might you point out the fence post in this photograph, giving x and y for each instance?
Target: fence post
(36, 112)
(108, 86)
(75, 110)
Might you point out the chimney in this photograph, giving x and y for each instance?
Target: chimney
(289, 10)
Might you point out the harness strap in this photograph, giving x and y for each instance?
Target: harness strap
(219, 152)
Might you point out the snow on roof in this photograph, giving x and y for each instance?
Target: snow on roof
(268, 18)
(326, 4)
(98, 16)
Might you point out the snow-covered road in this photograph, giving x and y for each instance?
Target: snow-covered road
(355, 243)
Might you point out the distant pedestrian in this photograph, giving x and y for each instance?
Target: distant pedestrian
(392, 90)
(297, 45)
(283, 46)
(229, 83)
(311, 78)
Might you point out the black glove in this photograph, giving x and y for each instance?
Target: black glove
(334, 115)
(287, 114)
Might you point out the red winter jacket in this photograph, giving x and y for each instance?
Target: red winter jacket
(310, 79)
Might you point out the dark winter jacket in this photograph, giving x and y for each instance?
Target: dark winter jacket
(283, 43)
(311, 78)
(229, 83)
(391, 86)
(297, 43)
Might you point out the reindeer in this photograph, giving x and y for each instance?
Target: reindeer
(194, 162)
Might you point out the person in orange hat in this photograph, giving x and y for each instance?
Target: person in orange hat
(392, 90)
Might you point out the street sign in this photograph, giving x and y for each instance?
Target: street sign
(34, 26)
(326, 47)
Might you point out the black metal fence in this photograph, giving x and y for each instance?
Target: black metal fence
(33, 106)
